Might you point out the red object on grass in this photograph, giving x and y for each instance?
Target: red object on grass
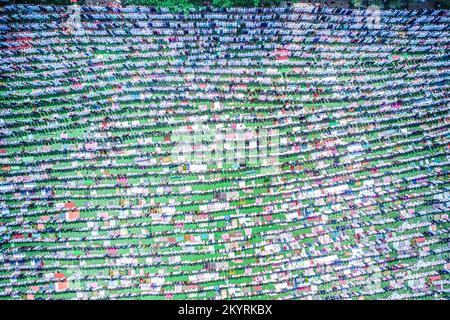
(69, 205)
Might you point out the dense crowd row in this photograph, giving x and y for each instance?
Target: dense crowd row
(225, 153)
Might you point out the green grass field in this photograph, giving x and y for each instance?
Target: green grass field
(97, 204)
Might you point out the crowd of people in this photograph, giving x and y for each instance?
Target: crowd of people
(351, 202)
